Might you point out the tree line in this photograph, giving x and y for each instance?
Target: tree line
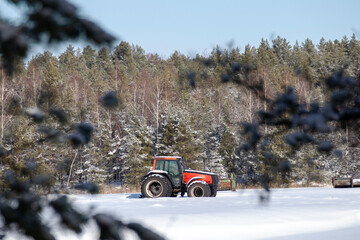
(194, 107)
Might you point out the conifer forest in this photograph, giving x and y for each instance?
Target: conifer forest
(192, 106)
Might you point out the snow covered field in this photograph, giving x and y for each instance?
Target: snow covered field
(300, 213)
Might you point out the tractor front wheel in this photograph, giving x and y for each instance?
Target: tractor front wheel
(213, 192)
(199, 189)
(155, 186)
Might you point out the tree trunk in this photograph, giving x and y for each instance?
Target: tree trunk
(2, 104)
(110, 123)
(250, 106)
(157, 96)
(265, 97)
(71, 166)
(97, 113)
(116, 78)
(34, 84)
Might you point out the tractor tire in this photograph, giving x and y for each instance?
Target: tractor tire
(155, 186)
(213, 192)
(199, 189)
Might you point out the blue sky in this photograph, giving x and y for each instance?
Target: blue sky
(197, 26)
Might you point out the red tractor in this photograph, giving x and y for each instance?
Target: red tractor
(168, 177)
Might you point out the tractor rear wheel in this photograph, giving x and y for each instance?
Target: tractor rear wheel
(199, 189)
(155, 186)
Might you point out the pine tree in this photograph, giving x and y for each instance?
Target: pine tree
(68, 60)
(52, 82)
(265, 55)
(282, 50)
(104, 69)
(178, 138)
(134, 151)
(219, 151)
(89, 55)
(354, 49)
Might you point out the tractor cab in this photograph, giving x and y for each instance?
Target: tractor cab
(172, 165)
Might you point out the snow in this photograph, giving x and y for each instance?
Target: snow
(298, 213)
(195, 171)
(112, 152)
(157, 171)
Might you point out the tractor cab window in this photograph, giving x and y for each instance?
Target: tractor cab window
(174, 172)
(182, 166)
(173, 168)
(166, 166)
(159, 165)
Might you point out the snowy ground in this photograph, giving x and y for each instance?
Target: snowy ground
(300, 213)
